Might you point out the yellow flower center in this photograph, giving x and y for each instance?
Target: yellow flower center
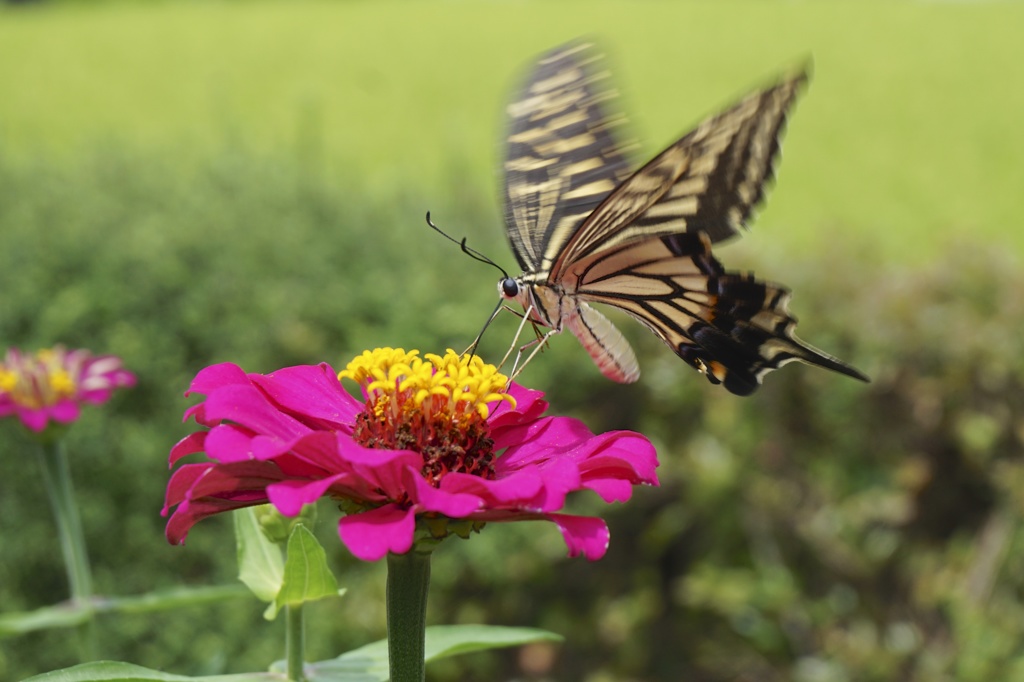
(8, 380)
(437, 406)
(38, 380)
(61, 383)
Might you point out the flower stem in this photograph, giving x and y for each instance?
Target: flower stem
(408, 580)
(53, 460)
(295, 638)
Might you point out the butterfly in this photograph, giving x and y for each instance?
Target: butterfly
(585, 228)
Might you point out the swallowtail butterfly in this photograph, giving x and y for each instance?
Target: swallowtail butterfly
(587, 229)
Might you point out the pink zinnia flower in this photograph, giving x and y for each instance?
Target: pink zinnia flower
(437, 440)
(54, 382)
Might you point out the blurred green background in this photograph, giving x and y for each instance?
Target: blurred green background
(188, 183)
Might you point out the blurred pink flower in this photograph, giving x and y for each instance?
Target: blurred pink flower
(436, 440)
(52, 384)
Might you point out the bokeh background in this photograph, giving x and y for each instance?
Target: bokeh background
(183, 183)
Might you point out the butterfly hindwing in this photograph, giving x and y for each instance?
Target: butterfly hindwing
(563, 156)
(730, 326)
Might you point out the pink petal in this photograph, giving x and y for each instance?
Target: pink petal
(199, 413)
(540, 440)
(190, 512)
(96, 396)
(583, 535)
(201, 490)
(238, 478)
(226, 481)
(33, 419)
(65, 411)
(181, 482)
(383, 469)
(312, 392)
(229, 443)
(372, 534)
(305, 462)
(314, 452)
(269, 447)
(317, 455)
(428, 498)
(214, 377)
(188, 445)
(512, 491)
(530, 405)
(537, 489)
(611, 490)
(289, 496)
(561, 477)
(247, 406)
(621, 455)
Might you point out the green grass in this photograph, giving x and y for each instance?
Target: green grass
(909, 134)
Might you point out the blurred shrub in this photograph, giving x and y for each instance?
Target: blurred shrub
(245, 259)
(821, 530)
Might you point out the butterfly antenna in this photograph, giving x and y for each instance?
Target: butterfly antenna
(475, 255)
(471, 252)
(471, 351)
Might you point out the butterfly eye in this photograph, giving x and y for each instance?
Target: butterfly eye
(509, 287)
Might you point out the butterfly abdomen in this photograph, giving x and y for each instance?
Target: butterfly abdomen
(604, 343)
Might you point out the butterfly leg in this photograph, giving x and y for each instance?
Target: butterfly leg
(519, 332)
(537, 344)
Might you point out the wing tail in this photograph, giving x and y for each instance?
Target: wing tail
(751, 318)
(738, 349)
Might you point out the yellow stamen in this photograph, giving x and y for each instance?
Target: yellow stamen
(461, 380)
(8, 380)
(62, 383)
(38, 379)
(434, 405)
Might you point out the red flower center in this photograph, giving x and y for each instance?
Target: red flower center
(437, 406)
(445, 446)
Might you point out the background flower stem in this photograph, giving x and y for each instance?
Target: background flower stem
(53, 461)
(408, 581)
(295, 642)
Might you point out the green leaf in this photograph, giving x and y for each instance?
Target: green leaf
(68, 615)
(104, 671)
(173, 598)
(46, 618)
(369, 663)
(260, 564)
(451, 640)
(306, 574)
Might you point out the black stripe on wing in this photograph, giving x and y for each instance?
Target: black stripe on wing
(708, 181)
(563, 157)
(729, 326)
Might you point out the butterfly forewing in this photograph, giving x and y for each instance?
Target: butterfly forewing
(708, 181)
(563, 155)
